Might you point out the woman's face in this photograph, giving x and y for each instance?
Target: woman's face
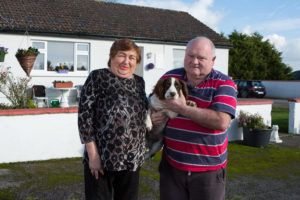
(123, 64)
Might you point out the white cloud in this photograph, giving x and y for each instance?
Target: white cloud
(278, 41)
(279, 25)
(199, 9)
(291, 55)
(247, 30)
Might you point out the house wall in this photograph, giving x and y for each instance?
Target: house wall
(282, 89)
(51, 133)
(99, 54)
(294, 116)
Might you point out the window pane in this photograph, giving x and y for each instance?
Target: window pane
(39, 62)
(60, 53)
(38, 45)
(82, 47)
(82, 62)
(178, 57)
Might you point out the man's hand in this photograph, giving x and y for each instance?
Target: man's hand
(175, 105)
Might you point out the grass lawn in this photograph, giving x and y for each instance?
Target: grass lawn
(63, 179)
(248, 167)
(280, 116)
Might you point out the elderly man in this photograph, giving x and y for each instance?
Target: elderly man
(195, 152)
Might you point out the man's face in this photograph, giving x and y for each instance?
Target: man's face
(198, 60)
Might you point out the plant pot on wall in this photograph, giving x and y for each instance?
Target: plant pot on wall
(62, 84)
(26, 62)
(256, 137)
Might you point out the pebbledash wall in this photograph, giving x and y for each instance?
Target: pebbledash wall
(52, 133)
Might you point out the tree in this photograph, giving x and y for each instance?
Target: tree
(254, 59)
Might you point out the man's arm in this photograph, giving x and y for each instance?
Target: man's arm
(205, 117)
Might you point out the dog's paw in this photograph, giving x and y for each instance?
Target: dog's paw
(191, 103)
(149, 124)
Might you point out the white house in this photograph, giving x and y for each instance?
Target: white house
(79, 34)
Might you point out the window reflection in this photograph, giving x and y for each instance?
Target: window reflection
(82, 62)
(60, 53)
(39, 62)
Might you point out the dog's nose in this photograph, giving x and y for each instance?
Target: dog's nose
(172, 94)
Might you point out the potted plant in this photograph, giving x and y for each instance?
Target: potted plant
(26, 58)
(255, 132)
(3, 51)
(62, 84)
(62, 69)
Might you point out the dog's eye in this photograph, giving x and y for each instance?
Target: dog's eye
(167, 84)
(177, 85)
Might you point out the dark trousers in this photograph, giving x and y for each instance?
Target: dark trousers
(181, 185)
(113, 185)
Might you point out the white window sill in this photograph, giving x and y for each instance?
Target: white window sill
(51, 74)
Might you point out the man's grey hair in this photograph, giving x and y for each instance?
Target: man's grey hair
(213, 48)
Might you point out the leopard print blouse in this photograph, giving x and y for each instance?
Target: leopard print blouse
(112, 112)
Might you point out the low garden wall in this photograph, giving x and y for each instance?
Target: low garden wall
(263, 108)
(52, 133)
(294, 116)
(39, 134)
(282, 89)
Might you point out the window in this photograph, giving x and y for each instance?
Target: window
(71, 56)
(178, 57)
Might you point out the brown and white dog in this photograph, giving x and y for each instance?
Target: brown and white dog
(169, 88)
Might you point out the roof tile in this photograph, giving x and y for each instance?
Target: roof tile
(103, 19)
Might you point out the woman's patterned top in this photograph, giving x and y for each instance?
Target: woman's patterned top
(112, 113)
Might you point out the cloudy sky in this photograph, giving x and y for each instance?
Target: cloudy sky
(276, 20)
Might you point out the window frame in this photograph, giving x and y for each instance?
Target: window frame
(76, 52)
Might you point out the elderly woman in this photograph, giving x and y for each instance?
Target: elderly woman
(111, 117)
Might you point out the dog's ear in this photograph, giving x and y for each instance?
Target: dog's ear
(158, 89)
(184, 87)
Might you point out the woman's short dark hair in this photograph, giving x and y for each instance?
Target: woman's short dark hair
(124, 45)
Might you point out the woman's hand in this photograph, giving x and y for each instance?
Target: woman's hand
(158, 117)
(95, 164)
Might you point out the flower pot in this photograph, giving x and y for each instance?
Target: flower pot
(62, 71)
(26, 62)
(2, 56)
(63, 85)
(256, 137)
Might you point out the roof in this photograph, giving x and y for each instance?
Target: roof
(92, 18)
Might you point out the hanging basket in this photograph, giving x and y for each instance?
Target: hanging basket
(26, 62)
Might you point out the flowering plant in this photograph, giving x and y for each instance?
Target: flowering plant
(61, 67)
(3, 50)
(27, 52)
(14, 89)
(251, 121)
